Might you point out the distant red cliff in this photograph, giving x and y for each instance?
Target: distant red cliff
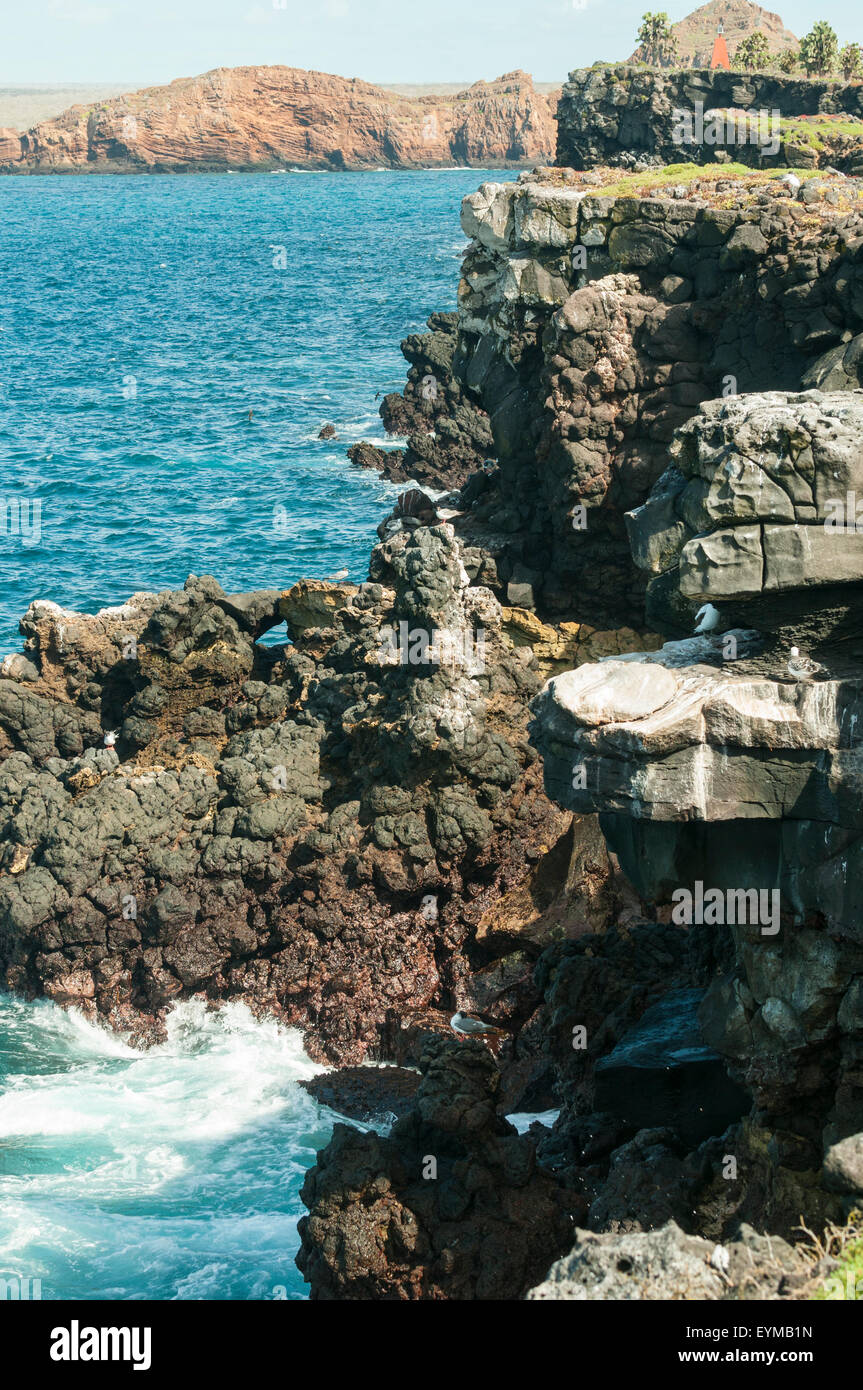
(275, 117)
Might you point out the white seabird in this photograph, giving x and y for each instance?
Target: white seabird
(472, 1027)
(720, 1259)
(802, 668)
(111, 738)
(791, 181)
(707, 619)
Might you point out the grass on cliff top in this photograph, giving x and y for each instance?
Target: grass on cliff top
(639, 185)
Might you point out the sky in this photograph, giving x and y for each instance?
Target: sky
(147, 42)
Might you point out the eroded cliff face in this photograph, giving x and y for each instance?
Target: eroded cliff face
(633, 117)
(707, 1064)
(355, 834)
(591, 326)
(302, 827)
(277, 117)
(711, 763)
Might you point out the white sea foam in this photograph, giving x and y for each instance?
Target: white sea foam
(169, 1173)
(524, 1119)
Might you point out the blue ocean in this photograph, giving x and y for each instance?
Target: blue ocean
(169, 350)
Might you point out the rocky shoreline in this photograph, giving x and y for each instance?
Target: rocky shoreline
(477, 779)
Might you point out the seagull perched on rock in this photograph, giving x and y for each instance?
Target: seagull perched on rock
(791, 181)
(111, 738)
(706, 619)
(473, 1027)
(802, 668)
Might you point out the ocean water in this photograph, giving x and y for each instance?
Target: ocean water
(141, 319)
(172, 1173)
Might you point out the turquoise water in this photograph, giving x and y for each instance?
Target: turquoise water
(172, 1173)
(142, 319)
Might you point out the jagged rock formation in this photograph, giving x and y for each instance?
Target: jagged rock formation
(351, 832)
(450, 1204)
(739, 18)
(752, 516)
(276, 117)
(448, 433)
(734, 775)
(631, 117)
(592, 325)
(316, 829)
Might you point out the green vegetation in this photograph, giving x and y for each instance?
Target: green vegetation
(851, 61)
(819, 49)
(657, 40)
(790, 61)
(636, 184)
(752, 53)
(845, 1245)
(847, 1281)
(639, 185)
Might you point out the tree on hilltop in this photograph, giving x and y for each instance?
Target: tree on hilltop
(819, 50)
(657, 40)
(752, 52)
(851, 61)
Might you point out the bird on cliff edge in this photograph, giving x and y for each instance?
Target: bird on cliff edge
(474, 1027)
(706, 619)
(802, 668)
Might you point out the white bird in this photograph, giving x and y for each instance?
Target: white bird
(111, 738)
(720, 1259)
(802, 668)
(791, 181)
(707, 619)
(472, 1027)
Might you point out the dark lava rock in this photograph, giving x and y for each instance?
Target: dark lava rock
(662, 1073)
(365, 1093)
(450, 1205)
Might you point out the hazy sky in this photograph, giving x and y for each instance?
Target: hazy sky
(142, 42)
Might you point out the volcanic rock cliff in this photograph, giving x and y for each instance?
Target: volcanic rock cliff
(708, 1070)
(353, 832)
(639, 117)
(278, 117)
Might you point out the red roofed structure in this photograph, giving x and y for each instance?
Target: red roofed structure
(720, 57)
